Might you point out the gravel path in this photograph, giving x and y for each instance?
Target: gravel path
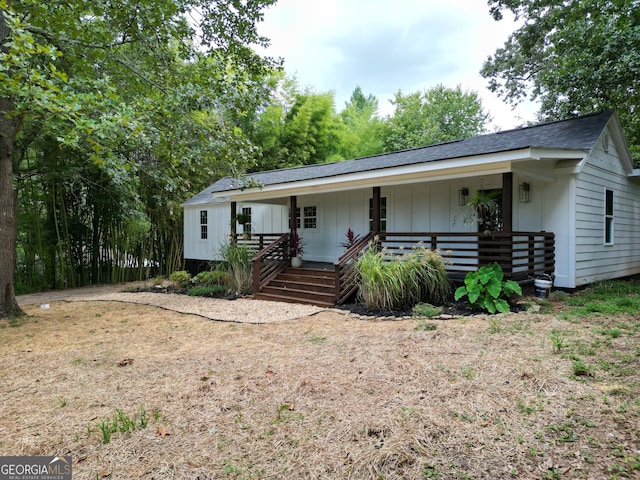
(242, 310)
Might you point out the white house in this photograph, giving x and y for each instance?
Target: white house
(571, 182)
(207, 225)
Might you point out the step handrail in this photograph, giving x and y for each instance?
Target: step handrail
(270, 261)
(344, 268)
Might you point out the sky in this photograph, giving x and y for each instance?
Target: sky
(385, 46)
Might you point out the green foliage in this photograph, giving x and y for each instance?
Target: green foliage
(181, 278)
(486, 288)
(296, 128)
(213, 277)
(426, 310)
(116, 114)
(557, 341)
(436, 115)
(206, 291)
(574, 57)
(389, 282)
(237, 261)
(121, 422)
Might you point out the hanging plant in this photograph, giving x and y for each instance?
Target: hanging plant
(483, 209)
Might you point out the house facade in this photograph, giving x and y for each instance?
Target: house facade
(207, 226)
(574, 179)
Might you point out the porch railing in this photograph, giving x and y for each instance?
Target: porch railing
(270, 260)
(345, 272)
(522, 255)
(256, 241)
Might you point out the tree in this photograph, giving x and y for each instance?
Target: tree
(574, 57)
(361, 134)
(296, 128)
(85, 70)
(436, 115)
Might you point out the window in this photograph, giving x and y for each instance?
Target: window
(608, 217)
(204, 227)
(297, 218)
(246, 214)
(383, 214)
(310, 217)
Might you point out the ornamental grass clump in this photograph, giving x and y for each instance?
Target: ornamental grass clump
(238, 261)
(394, 282)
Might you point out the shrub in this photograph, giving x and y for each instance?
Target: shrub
(180, 278)
(213, 277)
(237, 261)
(426, 310)
(486, 289)
(390, 282)
(203, 290)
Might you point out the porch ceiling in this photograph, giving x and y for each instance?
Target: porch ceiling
(523, 161)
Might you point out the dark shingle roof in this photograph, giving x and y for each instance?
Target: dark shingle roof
(205, 197)
(579, 133)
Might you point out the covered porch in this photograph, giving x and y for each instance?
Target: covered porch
(523, 255)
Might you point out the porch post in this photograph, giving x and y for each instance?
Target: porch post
(234, 228)
(507, 202)
(507, 222)
(376, 210)
(293, 227)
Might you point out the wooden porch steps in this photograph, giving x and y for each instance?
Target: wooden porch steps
(301, 285)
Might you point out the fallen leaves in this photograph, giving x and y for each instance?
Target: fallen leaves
(162, 432)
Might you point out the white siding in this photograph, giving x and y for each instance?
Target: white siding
(264, 219)
(595, 260)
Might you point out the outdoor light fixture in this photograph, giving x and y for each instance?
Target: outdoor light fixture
(463, 196)
(524, 192)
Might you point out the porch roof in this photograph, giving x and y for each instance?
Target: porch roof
(572, 138)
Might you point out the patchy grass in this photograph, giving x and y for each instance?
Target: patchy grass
(525, 395)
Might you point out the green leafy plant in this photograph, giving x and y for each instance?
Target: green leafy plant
(204, 290)
(213, 277)
(121, 422)
(557, 341)
(426, 310)
(487, 289)
(388, 282)
(180, 278)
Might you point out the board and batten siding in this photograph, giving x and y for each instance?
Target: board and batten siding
(265, 219)
(422, 207)
(594, 259)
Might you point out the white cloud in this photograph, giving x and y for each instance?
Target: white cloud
(385, 46)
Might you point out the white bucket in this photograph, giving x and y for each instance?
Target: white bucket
(543, 286)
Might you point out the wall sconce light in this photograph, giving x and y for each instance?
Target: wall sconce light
(463, 196)
(524, 192)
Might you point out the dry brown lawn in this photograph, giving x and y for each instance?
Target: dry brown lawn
(323, 397)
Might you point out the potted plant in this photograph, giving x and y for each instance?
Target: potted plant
(297, 250)
(350, 239)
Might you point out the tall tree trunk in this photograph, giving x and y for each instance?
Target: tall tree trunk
(8, 215)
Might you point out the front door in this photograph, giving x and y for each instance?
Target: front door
(489, 210)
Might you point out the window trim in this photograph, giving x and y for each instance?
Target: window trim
(310, 213)
(609, 217)
(204, 224)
